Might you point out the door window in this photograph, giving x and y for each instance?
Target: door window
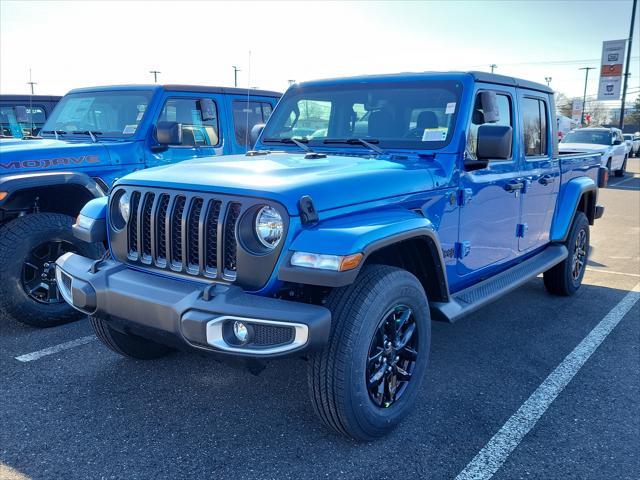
(246, 115)
(534, 120)
(477, 119)
(196, 132)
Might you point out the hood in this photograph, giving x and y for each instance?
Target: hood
(582, 147)
(49, 154)
(332, 182)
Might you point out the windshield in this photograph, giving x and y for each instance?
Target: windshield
(586, 136)
(109, 113)
(401, 115)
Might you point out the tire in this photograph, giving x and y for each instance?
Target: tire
(561, 280)
(127, 345)
(623, 169)
(337, 375)
(44, 237)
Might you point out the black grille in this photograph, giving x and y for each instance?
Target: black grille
(270, 335)
(182, 233)
(66, 281)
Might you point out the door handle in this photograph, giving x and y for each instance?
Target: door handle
(546, 179)
(514, 186)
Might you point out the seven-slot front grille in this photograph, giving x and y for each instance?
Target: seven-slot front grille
(184, 233)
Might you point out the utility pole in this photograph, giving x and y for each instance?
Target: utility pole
(493, 66)
(31, 82)
(584, 95)
(235, 75)
(291, 81)
(155, 75)
(626, 68)
(548, 80)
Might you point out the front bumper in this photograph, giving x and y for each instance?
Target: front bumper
(200, 316)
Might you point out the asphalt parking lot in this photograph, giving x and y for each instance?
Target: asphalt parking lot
(78, 411)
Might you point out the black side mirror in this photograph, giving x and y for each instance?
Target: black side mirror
(207, 109)
(21, 114)
(256, 130)
(169, 133)
(617, 142)
(494, 142)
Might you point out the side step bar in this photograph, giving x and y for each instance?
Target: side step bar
(480, 294)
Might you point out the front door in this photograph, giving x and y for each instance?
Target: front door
(491, 205)
(540, 170)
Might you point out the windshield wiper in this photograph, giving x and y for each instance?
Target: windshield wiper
(299, 143)
(55, 132)
(32, 137)
(91, 133)
(358, 141)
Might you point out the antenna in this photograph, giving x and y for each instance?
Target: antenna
(31, 83)
(246, 133)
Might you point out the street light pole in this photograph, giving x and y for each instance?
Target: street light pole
(548, 80)
(626, 69)
(584, 96)
(155, 75)
(235, 75)
(31, 83)
(493, 66)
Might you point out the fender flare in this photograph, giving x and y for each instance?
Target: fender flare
(568, 203)
(363, 233)
(15, 183)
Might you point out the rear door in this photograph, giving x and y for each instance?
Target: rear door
(540, 169)
(489, 214)
(201, 137)
(246, 113)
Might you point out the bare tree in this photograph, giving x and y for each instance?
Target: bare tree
(600, 115)
(563, 104)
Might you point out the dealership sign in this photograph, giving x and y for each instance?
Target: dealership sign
(611, 69)
(576, 110)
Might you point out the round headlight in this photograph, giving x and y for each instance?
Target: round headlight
(124, 205)
(269, 227)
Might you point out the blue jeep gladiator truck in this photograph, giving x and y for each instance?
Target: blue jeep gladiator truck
(92, 137)
(368, 207)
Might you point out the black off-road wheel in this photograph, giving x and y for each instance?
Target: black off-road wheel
(29, 248)
(368, 377)
(566, 277)
(125, 344)
(623, 169)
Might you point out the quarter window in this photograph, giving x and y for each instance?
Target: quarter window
(246, 115)
(196, 132)
(534, 119)
(477, 119)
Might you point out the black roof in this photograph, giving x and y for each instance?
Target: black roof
(228, 90)
(20, 98)
(509, 81)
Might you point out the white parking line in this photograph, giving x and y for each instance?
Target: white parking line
(29, 357)
(623, 181)
(495, 452)
(602, 270)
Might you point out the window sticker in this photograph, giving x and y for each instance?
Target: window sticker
(129, 129)
(435, 134)
(451, 107)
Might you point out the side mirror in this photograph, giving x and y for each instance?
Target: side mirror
(169, 133)
(21, 114)
(616, 142)
(494, 142)
(256, 130)
(207, 109)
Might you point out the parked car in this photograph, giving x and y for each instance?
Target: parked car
(606, 141)
(94, 136)
(633, 144)
(342, 248)
(24, 115)
(565, 125)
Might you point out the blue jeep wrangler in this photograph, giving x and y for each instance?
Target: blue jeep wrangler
(94, 136)
(369, 206)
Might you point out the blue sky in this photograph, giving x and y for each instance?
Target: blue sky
(71, 44)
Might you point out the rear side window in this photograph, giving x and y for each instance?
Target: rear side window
(246, 115)
(477, 119)
(534, 120)
(12, 127)
(196, 132)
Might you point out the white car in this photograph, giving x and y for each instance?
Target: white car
(607, 141)
(634, 143)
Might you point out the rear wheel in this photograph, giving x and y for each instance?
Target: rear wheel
(368, 377)
(29, 248)
(125, 344)
(566, 277)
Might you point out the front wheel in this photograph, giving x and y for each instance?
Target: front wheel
(368, 377)
(566, 277)
(623, 169)
(125, 344)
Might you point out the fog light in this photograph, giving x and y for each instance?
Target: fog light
(241, 331)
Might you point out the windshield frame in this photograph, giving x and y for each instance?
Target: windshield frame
(297, 93)
(100, 135)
